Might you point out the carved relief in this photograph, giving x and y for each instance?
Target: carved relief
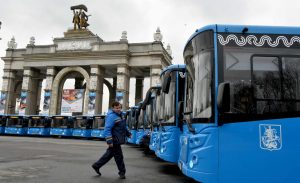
(74, 45)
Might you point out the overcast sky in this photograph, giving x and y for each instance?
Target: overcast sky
(177, 19)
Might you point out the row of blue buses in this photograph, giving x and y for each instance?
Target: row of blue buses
(230, 114)
(76, 126)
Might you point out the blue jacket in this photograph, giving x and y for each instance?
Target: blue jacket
(115, 130)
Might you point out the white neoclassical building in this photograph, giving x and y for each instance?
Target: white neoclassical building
(84, 56)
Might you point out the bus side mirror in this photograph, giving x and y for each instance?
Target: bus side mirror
(224, 97)
(166, 82)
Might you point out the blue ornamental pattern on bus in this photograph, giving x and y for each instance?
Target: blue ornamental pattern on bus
(253, 40)
(270, 137)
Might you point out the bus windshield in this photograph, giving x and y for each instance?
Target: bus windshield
(141, 119)
(99, 123)
(148, 120)
(2, 120)
(133, 118)
(198, 57)
(156, 114)
(36, 122)
(14, 122)
(264, 81)
(60, 122)
(81, 123)
(168, 108)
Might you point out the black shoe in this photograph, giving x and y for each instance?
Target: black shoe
(96, 169)
(122, 177)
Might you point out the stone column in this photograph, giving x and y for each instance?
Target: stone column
(28, 105)
(122, 93)
(112, 94)
(8, 84)
(139, 86)
(47, 108)
(155, 75)
(96, 90)
(38, 97)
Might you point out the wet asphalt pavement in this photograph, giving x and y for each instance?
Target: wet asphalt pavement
(59, 160)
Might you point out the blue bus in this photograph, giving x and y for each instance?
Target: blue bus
(242, 105)
(151, 102)
(16, 125)
(142, 127)
(131, 122)
(83, 126)
(98, 126)
(62, 125)
(172, 93)
(3, 118)
(39, 125)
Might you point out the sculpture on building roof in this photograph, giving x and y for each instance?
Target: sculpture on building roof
(32, 41)
(80, 19)
(12, 43)
(157, 35)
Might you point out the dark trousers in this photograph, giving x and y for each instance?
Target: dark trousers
(116, 152)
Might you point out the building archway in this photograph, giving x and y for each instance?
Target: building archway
(57, 86)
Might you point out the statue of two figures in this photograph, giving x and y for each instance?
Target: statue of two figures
(80, 19)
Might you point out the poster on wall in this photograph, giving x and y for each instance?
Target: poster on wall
(92, 103)
(46, 104)
(119, 97)
(23, 103)
(72, 100)
(3, 98)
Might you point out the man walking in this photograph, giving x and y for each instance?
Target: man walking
(115, 133)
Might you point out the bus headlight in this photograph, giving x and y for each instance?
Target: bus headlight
(193, 161)
(163, 148)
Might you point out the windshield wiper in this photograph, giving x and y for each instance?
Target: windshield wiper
(188, 123)
(162, 126)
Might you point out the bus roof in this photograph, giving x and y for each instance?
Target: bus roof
(249, 29)
(173, 67)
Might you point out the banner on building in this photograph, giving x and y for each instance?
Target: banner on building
(46, 104)
(72, 100)
(3, 100)
(23, 104)
(120, 97)
(92, 103)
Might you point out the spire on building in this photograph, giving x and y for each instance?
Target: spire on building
(157, 35)
(169, 50)
(124, 36)
(12, 43)
(32, 41)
